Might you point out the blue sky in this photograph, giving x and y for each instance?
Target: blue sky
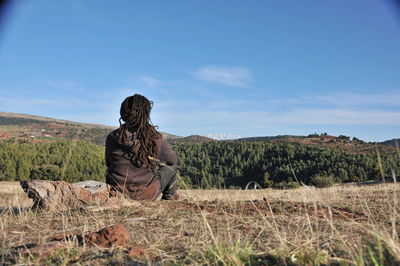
(244, 68)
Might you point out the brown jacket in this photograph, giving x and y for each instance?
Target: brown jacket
(138, 182)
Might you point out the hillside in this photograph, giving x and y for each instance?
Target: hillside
(33, 129)
(192, 139)
(30, 128)
(341, 142)
(392, 142)
(204, 162)
(267, 138)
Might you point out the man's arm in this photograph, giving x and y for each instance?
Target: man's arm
(167, 155)
(106, 156)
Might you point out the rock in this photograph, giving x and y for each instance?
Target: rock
(59, 195)
(115, 235)
(93, 186)
(137, 252)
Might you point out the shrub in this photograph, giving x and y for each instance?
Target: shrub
(292, 185)
(286, 185)
(183, 182)
(321, 181)
(46, 172)
(267, 181)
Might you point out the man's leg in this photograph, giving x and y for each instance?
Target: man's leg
(168, 183)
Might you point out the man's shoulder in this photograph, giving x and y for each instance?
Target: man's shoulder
(162, 138)
(112, 135)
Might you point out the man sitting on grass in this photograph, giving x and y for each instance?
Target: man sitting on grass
(140, 165)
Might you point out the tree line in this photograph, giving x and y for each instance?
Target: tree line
(235, 164)
(204, 165)
(18, 121)
(66, 160)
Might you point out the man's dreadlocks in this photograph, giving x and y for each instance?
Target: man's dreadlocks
(135, 112)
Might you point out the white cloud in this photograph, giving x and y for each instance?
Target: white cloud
(243, 123)
(226, 104)
(26, 101)
(67, 104)
(150, 81)
(197, 114)
(343, 99)
(67, 85)
(222, 136)
(231, 76)
(365, 117)
(350, 98)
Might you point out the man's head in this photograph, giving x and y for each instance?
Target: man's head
(136, 108)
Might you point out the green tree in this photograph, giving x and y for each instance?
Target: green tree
(46, 172)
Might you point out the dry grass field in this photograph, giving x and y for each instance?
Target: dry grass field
(341, 225)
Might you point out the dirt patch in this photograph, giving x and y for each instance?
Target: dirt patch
(267, 208)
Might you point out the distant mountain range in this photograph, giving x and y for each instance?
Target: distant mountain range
(37, 128)
(192, 138)
(392, 142)
(33, 128)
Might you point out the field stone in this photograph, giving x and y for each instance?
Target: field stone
(137, 252)
(115, 235)
(92, 185)
(59, 195)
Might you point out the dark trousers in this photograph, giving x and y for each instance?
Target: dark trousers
(166, 174)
